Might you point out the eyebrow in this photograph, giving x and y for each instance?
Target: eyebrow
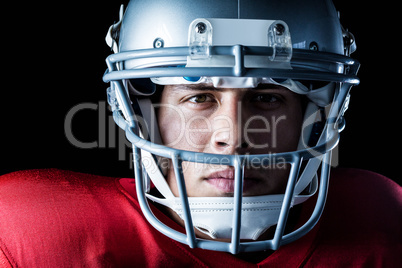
(202, 86)
(210, 87)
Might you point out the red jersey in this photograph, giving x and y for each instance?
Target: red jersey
(54, 218)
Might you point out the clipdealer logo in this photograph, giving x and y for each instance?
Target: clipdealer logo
(109, 135)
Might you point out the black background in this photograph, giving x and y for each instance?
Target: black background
(53, 58)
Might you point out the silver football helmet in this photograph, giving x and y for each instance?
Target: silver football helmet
(236, 44)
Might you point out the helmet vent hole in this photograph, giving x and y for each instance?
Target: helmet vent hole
(313, 46)
(200, 28)
(279, 29)
(158, 43)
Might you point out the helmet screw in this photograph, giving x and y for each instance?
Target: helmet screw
(279, 29)
(200, 28)
(158, 43)
(313, 46)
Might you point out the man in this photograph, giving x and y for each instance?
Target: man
(233, 109)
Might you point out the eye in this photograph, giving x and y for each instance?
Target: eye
(266, 101)
(266, 98)
(202, 101)
(201, 98)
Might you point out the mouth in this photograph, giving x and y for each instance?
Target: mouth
(224, 181)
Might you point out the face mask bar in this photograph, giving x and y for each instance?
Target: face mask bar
(238, 162)
(315, 70)
(125, 117)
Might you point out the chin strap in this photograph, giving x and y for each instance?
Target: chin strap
(214, 215)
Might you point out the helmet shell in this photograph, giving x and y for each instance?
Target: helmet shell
(313, 24)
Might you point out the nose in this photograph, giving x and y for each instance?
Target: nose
(226, 140)
(227, 137)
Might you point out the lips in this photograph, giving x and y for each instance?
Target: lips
(224, 181)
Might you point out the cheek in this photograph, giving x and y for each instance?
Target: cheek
(182, 130)
(198, 131)
(288, 131)
(192, 177)
(274, 132)
(171, 125)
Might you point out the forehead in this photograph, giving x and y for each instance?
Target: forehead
(212, 87)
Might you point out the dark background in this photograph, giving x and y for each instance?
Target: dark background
(53, 58)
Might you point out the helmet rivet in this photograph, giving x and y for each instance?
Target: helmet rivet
(158, 43)
(200, 28)
(279, 29)
(313, 46)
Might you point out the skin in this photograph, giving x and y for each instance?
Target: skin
(206, 119)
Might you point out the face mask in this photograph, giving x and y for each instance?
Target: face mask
(214, 215)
